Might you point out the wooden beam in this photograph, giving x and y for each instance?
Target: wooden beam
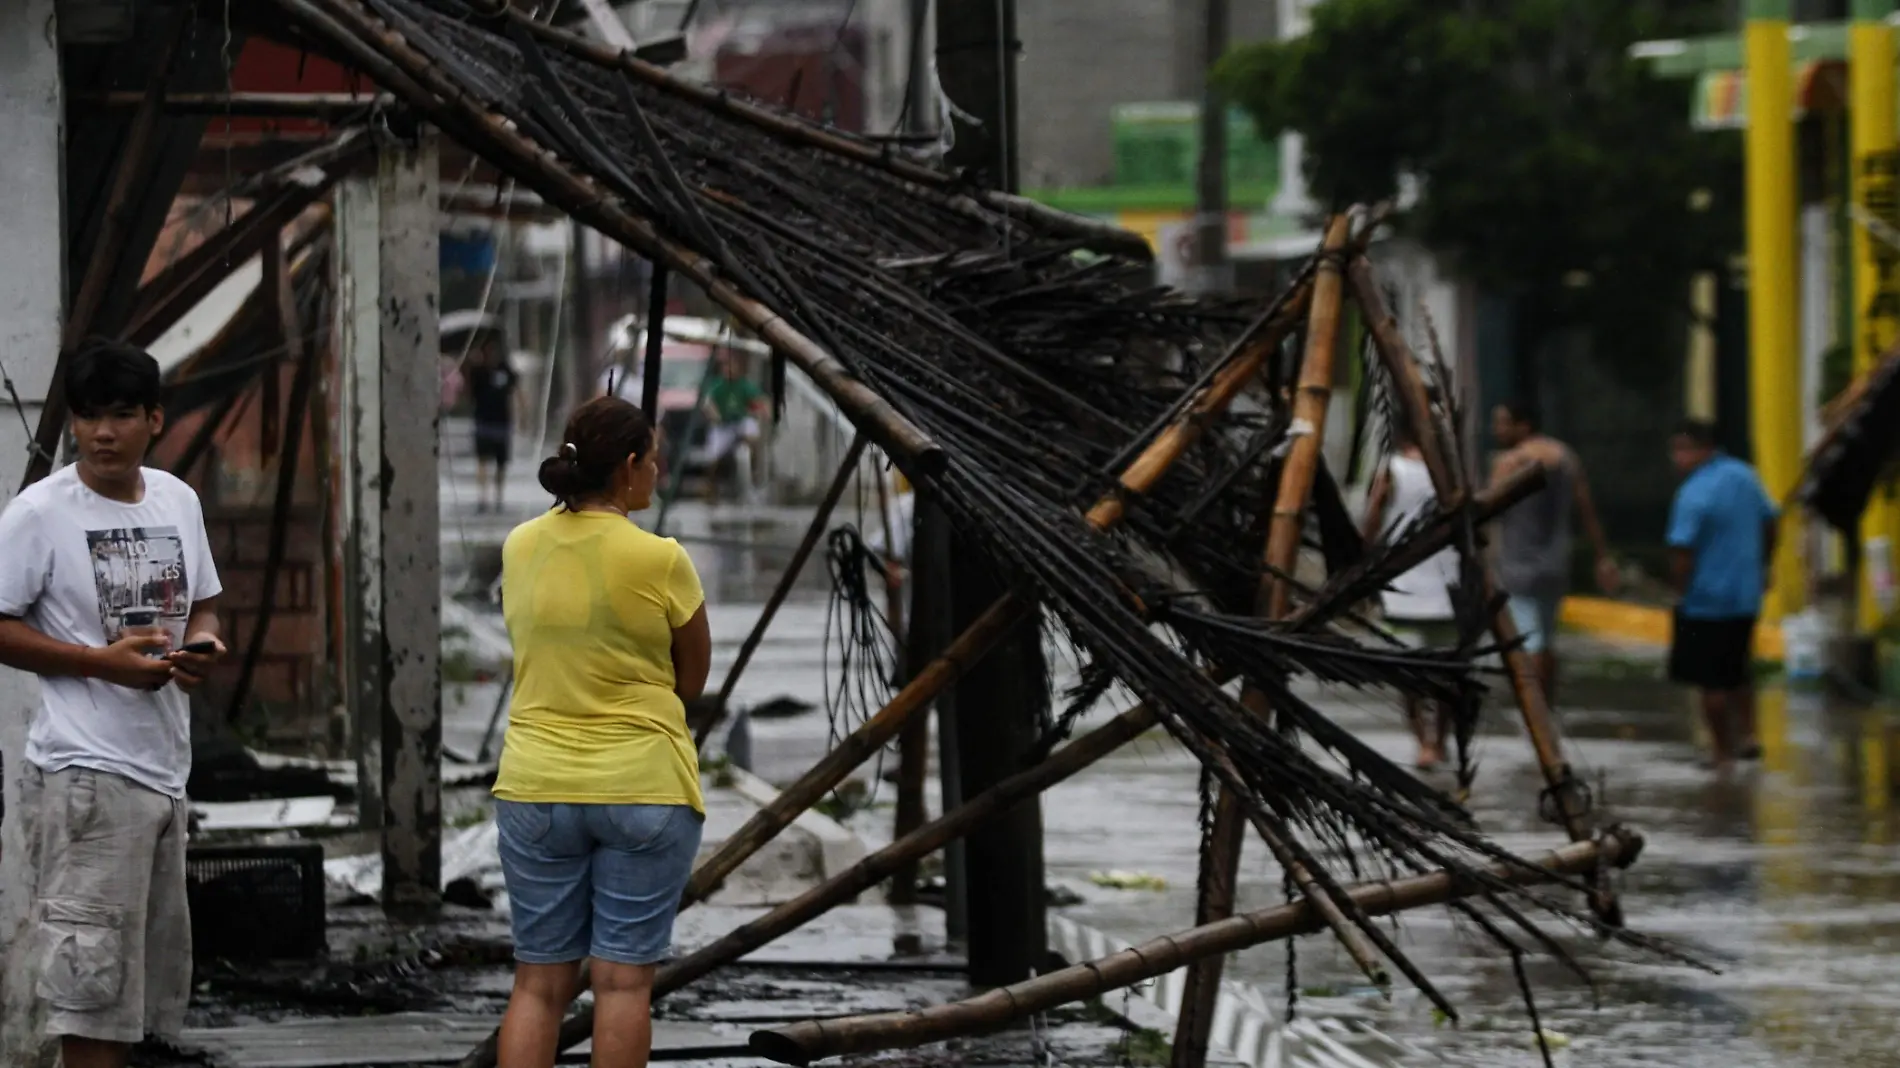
(167, 298)
(322, 107)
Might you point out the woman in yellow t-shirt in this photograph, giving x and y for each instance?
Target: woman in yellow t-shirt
(598, 799)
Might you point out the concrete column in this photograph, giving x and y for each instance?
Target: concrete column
(1774, 379)
(31, 313)
(410, 557)
(360, 353)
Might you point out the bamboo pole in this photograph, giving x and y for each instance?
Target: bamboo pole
(1560, 782)
(108, 248)
(803, 1043)
(815, 531)
(1220, 860)
(1101, 237)
(387, 59)
(1308, 429)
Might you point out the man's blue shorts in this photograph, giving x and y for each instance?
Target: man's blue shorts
(599, 881)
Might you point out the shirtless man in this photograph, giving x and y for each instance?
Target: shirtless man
(1534, 536)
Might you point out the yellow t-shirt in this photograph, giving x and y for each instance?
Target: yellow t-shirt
(591, 602)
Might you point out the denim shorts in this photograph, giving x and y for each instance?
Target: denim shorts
(601, 881)
(1536, 619)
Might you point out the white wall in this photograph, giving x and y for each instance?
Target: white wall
(30, 315)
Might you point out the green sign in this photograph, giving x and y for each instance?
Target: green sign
(1160, 144)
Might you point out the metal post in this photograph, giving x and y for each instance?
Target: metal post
(998, 699)
(1212, 273)
(656, 348)
(32, 310)
(410, 395)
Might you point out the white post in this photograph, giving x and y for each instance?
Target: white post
(411, 521)
(31, 312)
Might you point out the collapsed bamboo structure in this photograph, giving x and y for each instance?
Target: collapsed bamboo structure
(1080, 424)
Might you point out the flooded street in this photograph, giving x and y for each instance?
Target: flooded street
(1785, 877)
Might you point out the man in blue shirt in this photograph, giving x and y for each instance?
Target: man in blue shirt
(1721, 539)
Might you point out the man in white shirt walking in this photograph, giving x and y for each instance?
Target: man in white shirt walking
(108, 593)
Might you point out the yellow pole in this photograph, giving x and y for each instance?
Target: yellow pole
(1774, 365)
(1876, 190)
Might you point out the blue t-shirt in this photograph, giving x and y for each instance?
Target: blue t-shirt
(1718, 516)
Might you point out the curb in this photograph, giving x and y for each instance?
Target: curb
(1648, 624)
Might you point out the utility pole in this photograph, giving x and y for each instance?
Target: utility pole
(1000, 702)
(1210, 271)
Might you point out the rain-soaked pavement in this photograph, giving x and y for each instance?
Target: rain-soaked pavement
(1783, 876)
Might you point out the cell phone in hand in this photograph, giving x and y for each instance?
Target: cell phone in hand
(198, 648)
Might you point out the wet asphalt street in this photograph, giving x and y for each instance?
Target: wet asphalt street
(1784, 876)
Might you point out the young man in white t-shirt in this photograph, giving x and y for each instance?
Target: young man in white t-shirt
(109, 594)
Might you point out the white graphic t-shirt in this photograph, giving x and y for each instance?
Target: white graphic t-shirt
(85, 569)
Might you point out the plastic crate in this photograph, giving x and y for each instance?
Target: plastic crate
(252, 903)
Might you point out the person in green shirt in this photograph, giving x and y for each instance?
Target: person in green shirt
(734, 406)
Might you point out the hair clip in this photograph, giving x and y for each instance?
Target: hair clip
(569, 452)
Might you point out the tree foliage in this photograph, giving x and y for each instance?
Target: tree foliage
(1550, 165)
